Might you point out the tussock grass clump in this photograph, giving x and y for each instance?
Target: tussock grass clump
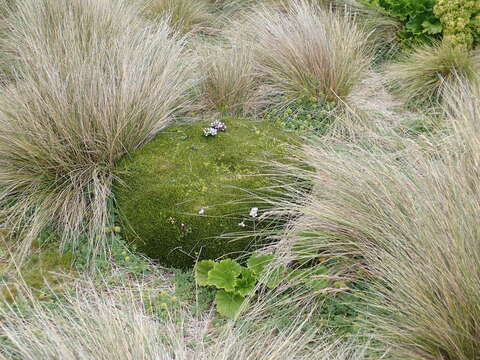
(409, 218)
(422, 76)
(183, 15)
(230, 82)
(92, 85)
(306, 50)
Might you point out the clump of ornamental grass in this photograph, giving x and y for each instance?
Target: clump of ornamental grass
(407, 217)
(230, 81)
(381, 28)
(423, 75)
(184, 15)
(118, 325)
(91, 86)
(306, 50)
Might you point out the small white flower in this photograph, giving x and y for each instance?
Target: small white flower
(254, 212)
(242, 224)
(209, 132)
(201, 212)
(218, 125)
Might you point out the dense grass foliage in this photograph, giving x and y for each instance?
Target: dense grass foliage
(309, 51)
(92, 84)
(230, 80)
(184, 194)
(183, 15)
(116, 325)
(408, 218)
(423, 75)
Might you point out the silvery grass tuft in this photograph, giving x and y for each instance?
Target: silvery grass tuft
(115, 324)
(91, 86)
(423, 75)
(6, 8)
(230, 79)
(307, 50)
(409, 217)
(184, 15)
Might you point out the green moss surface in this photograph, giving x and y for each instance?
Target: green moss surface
(165, 184)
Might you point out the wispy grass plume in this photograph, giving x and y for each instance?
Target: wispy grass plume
(423, 75)
(230, 80)
(407, 217)
(307, 50)
(184, 15)
(116, 325)
(92, 85)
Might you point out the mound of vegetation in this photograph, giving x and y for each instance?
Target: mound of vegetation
(184, 192)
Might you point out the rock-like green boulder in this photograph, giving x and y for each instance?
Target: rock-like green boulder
(183, 195)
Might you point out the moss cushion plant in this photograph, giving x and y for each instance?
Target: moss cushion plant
(184, 194)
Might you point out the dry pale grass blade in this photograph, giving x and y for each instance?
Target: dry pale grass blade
(308, 51)
(114, 324)
(230, 80)
(184, 15)
(410, 218)
(6, 59)
(92, 85)
(422, 76)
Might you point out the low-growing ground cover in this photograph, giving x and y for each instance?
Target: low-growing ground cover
(188, 195)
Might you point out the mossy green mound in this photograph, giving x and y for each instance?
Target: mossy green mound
(181, 194)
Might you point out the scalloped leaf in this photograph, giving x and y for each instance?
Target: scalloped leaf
(228, 304)
(224, 274)
(257, 263)
(246, 282)
(201, 272)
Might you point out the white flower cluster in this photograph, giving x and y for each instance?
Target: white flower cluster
(209, 132)
(214, 128)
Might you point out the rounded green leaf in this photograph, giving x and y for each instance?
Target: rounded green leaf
(246, 282)
(201, 272)
(228, 304)
(224, 274)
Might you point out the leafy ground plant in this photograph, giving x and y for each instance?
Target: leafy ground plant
(420, 22)
(306, 115)
(237, 284)
(233, 281)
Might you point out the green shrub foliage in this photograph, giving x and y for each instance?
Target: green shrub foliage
(460, 20)
(417, 15)
(184, 194)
